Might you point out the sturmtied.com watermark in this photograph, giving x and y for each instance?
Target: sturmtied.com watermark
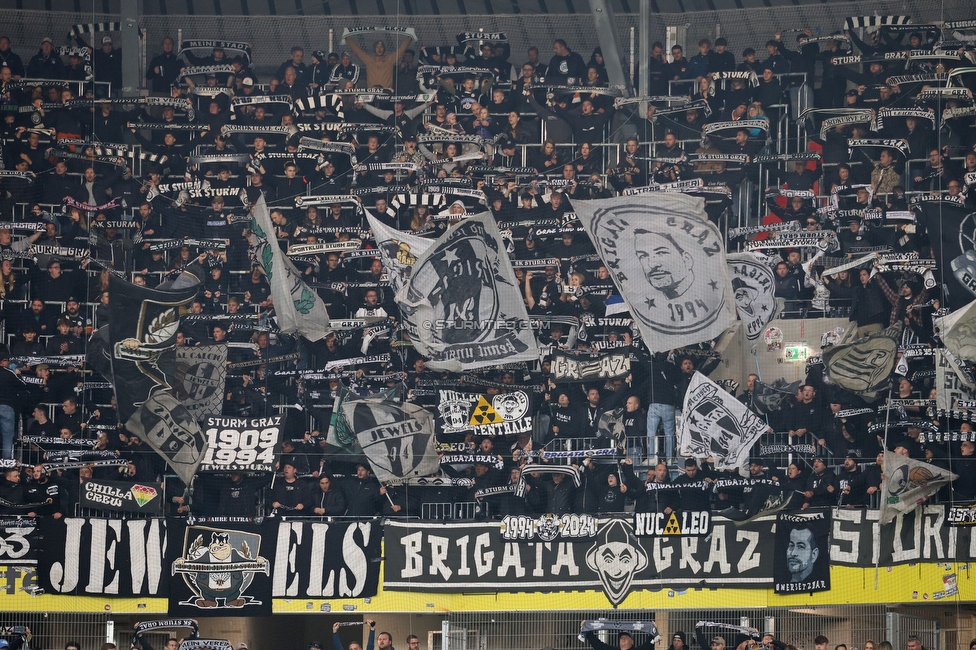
(514, 325)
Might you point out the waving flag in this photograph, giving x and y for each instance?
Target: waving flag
(668, 262)
(142, 351)
(399, 250)
(463, 306)
(908, 483)
(717, 425)
(398, 439)
(298, 309)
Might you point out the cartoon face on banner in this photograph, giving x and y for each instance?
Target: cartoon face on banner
(773, 338)
(752, 284)
(219, 565)
(617, 557)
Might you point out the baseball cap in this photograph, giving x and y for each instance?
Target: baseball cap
(47, 39)
(247, 81)
(106, 39)
(4, 643)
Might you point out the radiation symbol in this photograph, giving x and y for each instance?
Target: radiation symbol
(484, 413)
(672, 527)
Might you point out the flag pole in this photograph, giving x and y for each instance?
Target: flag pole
(884, 450)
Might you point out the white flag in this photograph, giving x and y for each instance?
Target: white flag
(958, 331)
(298, 309)
(717, 425)
(752, 286)
(463, 306)
(908, 483)
(398, 249)
(668, 262)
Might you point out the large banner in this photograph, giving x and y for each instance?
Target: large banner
(110, 557)
(475, 557)
(463, 306)
(241, 444)
(122, 496)
(668, 262)
(327, 560)
(211, 563)
(502, 414)
(802, 552)
(219, 570)
(18, 543)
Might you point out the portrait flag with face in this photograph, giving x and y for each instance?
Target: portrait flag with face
(908, 483)
(802, 552)
(864, 366)
(668, 262)
(717, 425)
(141, 349)
(752, 287)
(462, 304)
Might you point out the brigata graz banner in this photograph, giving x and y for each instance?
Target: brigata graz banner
(116, 557)
(620, 559)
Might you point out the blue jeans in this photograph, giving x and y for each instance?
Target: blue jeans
(661, 414)
(8, 430)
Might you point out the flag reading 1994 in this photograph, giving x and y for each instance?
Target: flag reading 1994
(668, 261)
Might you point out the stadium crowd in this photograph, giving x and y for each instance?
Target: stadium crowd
(94, 186)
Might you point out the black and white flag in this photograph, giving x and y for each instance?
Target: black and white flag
(864, 366)
(241, 444)
(199, 379)
(717, 425)
(954, 384)
(503, 414)
(958, 332)
(463, 306)
(802, 552)
(752, 286)
(908, 483)
(952, 232)
(399, 250)
(398, 439)
(768, 398)
(141, 349)
(668, 262)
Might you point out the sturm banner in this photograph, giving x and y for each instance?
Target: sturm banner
(476, 557)
(241, 444)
